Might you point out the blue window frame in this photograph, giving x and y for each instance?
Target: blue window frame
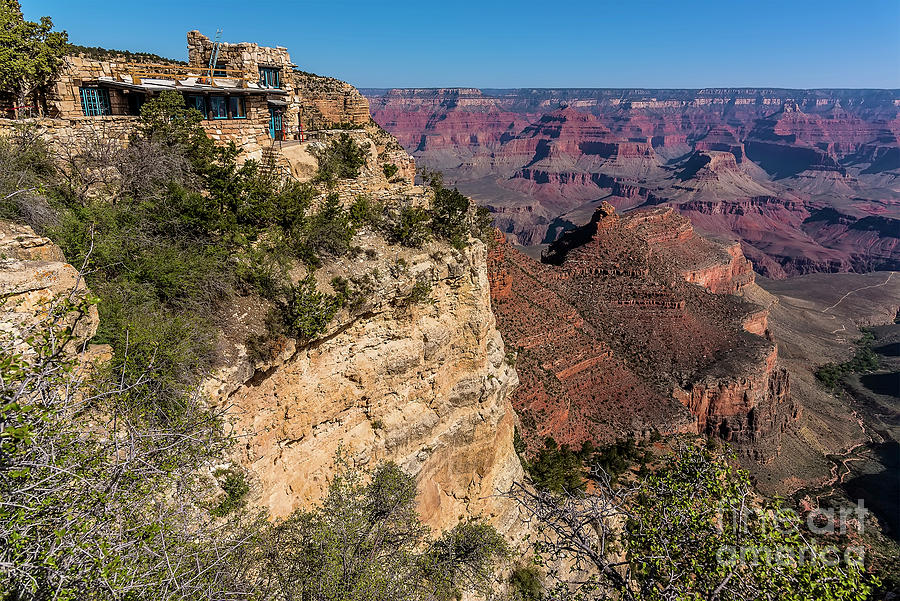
(95, 102)
(217, 107)
(236, 107)
(269, 77)
(199, 103)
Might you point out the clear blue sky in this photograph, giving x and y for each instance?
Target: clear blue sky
(576, 43)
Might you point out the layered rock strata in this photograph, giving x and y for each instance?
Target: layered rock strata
(541, 160)
(629, 324)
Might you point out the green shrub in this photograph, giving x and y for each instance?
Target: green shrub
(525, 583)
(236, 490)
(455, 217)
(413, 227)
(483, 226)
(613, 458)
(99, 53)
(32, 54)
(864, 360)
(167, 119)
(463, 558)
(366, 212)
(390, 170)
(365, 542)
(26, 168)
(420, 293)
(306, 311)
(557, 469)
(519, 444)
(342, 125)
(450, 215)
(327, 233)
(341, 159)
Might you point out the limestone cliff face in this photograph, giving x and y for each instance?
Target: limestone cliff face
(424, 384)
(327, 100)
(34, 276)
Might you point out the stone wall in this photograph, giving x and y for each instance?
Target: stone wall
(249, 57)
(64, 97)
(311, 102)
(67, 137)
(250, 135)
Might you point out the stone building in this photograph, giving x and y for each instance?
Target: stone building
(252, 95)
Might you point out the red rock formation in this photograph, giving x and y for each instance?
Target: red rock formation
(613, 338)
(558, 152)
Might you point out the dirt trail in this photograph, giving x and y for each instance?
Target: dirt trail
(884, 283)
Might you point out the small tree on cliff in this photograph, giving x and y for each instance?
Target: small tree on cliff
(692, 530)
(365, 542)
(30, 53)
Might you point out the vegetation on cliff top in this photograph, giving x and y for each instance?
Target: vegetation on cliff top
(105, 54)
(559, 470)
(691, 528)
(30, 53)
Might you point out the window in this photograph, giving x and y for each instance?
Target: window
(95, 101)
(197, 102)
(269, 77)
(219, 71)
(236, 107)
(217, 109)
(135, 101)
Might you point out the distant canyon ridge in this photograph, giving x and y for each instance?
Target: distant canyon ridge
(806, 180)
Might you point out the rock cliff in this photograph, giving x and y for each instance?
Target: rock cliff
(630, 324)
(413, 371)
(34, 277)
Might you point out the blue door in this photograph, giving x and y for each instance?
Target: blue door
(276, 129)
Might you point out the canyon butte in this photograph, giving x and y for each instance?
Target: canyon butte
(632, 325)
(807, 180)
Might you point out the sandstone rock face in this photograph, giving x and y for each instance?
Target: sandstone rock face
(34, 277)
(422, 384)
(751, 409)
(630, 324)
(541, 160)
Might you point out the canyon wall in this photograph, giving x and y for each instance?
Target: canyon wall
(826, 161)
(425, 385)
(631, 324)
(413, 371)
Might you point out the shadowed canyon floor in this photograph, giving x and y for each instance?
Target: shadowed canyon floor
(807, 180)
(816, 319)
